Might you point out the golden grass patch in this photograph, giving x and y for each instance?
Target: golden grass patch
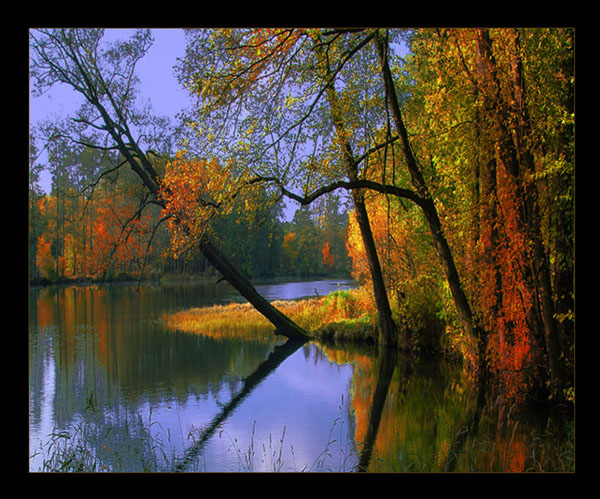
(241, 320)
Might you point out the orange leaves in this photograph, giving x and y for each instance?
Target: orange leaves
(288, 238)
(44, 260)
(512, 345)
(328, 258)
(105, 236)
(195, 191)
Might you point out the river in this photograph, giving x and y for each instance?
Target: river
(111, 384)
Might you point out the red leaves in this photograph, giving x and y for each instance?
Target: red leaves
(327, 256)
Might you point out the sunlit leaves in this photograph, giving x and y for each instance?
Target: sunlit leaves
(195, 191)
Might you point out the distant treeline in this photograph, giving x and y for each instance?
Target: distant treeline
(75, 235)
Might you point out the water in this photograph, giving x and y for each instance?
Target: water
(105, 372)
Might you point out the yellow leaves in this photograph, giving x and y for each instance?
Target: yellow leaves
(290, 101)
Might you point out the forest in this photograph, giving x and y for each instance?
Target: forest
(100, 238)
(441, 179)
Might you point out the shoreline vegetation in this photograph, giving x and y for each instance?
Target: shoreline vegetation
(342, 316)
(336, 316)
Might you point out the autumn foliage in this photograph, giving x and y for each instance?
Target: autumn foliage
(486, 149)
(492, 126)
(195, 191)
(102, 237)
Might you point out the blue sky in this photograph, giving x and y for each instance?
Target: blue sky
(158, 85)
(155, 71)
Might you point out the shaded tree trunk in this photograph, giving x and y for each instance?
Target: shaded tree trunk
(441, 244)
(519, 162)
(389, 337)
(386, 322)
(142, 166)
(68, 59)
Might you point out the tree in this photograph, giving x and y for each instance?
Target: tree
(428, 205)
(491, 110)
(105, 76)
(270, 95)
(388, 327)
(35, 197)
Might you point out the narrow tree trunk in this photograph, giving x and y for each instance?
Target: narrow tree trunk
(389, 338)
(441, 244)
(285, 326)
(386, 322)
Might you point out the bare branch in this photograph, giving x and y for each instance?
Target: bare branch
(347, 185)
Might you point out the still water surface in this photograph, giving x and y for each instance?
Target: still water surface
(104, 367)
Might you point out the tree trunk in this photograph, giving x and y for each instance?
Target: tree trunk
(285, 326)
(386, 322)
(441, 244)
(389, 337)
(517, 162)
(387, 365)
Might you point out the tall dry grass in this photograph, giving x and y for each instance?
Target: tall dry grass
(241, 320)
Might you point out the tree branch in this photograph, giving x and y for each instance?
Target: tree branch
(347, 185)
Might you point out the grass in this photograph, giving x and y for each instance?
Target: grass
(88, 447)
(341, 315)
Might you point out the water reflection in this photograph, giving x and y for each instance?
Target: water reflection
(387, 364)
(280, 353)
(142, 397)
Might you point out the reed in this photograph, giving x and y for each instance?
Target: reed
(340, 310)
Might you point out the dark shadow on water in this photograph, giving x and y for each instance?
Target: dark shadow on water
(279, 354)
(387, 363)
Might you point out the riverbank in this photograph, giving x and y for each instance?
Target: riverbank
(342, 316)
(338, 315)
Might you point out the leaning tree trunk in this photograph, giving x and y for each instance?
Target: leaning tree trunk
(386, 322)
(283, 324)
(142, 166)
(441, 244)
(79, 69)
(389, 337)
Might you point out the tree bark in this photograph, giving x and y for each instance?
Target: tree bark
(283, 324)
(441, 244)
(389, 337)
